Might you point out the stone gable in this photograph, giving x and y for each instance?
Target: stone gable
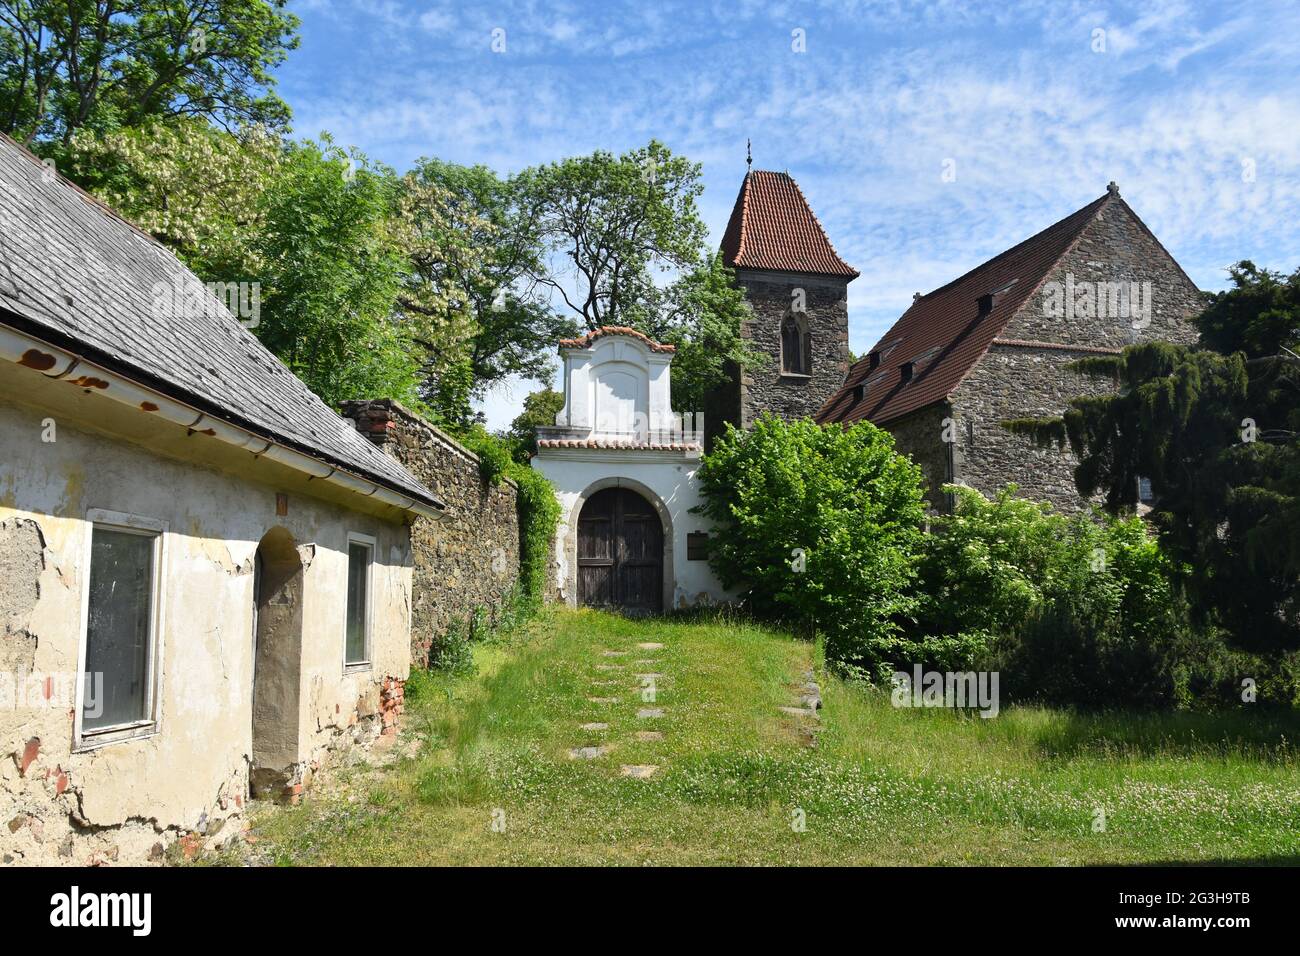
(1024, 376)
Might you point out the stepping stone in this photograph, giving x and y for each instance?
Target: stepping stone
(649, 735)
(639, 771)
(798, 711)
(812, 702)
(648, 676)
(609, 667)
(651, 646)
(587, 753)
(613, 653)
(595, 725)
(603, 700)
(645, 712)
(647, 663)
(604, 683)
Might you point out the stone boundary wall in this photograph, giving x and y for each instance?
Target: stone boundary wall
(468, 560)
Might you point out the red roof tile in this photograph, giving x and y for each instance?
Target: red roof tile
(943, 333)
(773, 227)
(615, 443)
(586, 340)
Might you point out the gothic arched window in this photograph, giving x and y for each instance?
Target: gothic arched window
(796, 346)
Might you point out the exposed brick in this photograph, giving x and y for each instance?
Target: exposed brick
(30, 752)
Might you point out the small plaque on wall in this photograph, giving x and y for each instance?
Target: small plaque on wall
(697, 546)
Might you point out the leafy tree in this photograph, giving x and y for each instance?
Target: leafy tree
(474, 261)
(72, 64)
(197, 189)
(821, 526)
(1218, 436)
(702, 317)
(332, 271)
(620, 225)
(540, 408)
(614, 222)
(1072, 610)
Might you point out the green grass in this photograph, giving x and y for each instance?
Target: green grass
(882, 785)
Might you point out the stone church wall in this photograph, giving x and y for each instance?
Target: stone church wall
(770, 296)
(1027, 379)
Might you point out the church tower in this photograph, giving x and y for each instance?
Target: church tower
(797, 286)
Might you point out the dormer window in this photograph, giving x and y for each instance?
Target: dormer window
(986, 304)
(873, 360)
(908, 368)
(796, 346)
(859, 392)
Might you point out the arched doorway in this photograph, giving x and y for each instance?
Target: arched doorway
(277, 663)
(620, 553)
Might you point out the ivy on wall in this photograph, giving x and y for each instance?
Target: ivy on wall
(538, 508)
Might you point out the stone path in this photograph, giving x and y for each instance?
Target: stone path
(647, 685)
(808, 702)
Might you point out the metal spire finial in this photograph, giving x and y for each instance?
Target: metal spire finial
(749, 155)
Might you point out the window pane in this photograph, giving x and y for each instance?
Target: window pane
(117, 633)
(358, 566)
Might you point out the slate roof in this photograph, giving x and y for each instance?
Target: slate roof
(773, 227)
(76, 274)
(943, 333)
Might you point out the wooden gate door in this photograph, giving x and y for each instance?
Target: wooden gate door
(620, 553)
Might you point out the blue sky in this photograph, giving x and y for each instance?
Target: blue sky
(1191, 107)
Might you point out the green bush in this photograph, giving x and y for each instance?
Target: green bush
(538, 508)
(1077, 611)
(821, 526)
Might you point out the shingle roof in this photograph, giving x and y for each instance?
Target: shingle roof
(773, 227)
(943, 333)
(586, 340)
(77, 274)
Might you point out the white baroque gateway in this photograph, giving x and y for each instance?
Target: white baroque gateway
(624, 466)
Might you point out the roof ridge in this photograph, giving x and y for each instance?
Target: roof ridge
(582, 341)
(1098, 202)
(812, 212)
(947, 321)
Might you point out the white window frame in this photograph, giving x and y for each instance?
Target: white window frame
(372, 544)
(82, 738)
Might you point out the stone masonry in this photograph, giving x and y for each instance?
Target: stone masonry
(470, 559)
(1023, 374)
(770, 296)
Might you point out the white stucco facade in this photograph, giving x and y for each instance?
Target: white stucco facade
(617, 429)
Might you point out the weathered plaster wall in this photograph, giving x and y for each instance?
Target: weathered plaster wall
(470, 559)
(127, 799)
(666, 480)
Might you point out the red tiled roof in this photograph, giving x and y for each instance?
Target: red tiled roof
(943, 332)
(613, 443)
(773, 227)
(586, 340)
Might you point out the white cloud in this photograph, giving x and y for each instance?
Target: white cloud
(1036, 123)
